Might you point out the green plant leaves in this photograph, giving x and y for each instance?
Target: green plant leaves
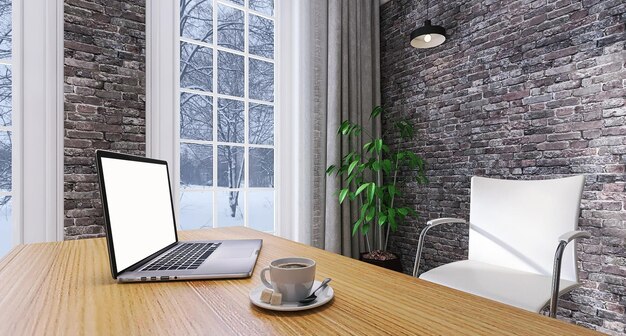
(371, 192)
(376, 111)
(356, 225)
(370, 174)
(370, 214)
(386, 164)
(343, 128)
(406, 129)
(330, 169)
(382, 219)
(342, 194)
(391, 214)
(361, 188)
(349, 129)
(378, 144)
(391, 189)
(351, 167)
(368, 147)
(375, 165)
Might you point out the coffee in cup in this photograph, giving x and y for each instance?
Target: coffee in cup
(292, 265)
(292, 277)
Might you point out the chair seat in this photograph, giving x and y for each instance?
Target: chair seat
(524, 290)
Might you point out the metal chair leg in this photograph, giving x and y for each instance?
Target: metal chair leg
(556, 277)
(420, 246)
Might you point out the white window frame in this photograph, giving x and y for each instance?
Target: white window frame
(37, 154)
(162, 99)
(16, 228)
(214, 142)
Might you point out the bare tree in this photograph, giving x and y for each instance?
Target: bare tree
(6, 81)
(261, 124)
(196, 165)
(6, 143)
(231, 160)
(263, 6)
(261, 36)
(6, 28)
(262, 167)
(230, 27)
(261, 80)
(231, 170)
(196, 117)
(196, 19)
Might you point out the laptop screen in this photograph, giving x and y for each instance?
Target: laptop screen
(139, 205)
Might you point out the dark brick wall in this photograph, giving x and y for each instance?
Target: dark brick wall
(523, 89)
(104, 99)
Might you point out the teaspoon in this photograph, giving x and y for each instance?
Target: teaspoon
(312, 297)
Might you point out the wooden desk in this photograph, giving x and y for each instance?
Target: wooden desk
(66, 288)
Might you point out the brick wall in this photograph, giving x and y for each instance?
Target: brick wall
(522, 89)
(104, 99)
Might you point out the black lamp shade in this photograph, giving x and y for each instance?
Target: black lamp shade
(428, 36)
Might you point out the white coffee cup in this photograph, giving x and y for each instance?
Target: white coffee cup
(292, 277)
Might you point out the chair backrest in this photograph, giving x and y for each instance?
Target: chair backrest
(516, 224)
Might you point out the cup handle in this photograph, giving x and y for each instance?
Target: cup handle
(265, 282)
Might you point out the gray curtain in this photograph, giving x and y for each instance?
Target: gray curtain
(345, 85)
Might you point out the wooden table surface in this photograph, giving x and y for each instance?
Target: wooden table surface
(66, 288)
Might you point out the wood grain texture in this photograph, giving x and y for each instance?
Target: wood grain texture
(66, 289)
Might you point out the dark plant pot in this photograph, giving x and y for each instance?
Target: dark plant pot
(393, 264)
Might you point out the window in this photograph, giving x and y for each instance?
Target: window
(226, 114)
(6, 128)
(31, 171)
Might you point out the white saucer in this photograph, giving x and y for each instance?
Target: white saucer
(323, 297)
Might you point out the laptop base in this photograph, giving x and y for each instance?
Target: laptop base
(232, 259)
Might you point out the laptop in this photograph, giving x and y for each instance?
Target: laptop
(141, 232)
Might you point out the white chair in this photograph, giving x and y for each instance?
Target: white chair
(514, 229)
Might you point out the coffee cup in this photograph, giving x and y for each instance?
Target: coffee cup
(292, 277)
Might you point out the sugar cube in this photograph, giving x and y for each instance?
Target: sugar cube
(266, 295)
(277, 299)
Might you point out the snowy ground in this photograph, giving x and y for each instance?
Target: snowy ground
(196, 210)
(6, 232)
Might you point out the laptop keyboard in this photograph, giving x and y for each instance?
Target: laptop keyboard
(185, 256)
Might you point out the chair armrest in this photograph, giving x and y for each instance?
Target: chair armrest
(439, 221)
(429, 225)
(564, 239)
(569, 236)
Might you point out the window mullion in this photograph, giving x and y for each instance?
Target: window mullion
(214, 208)
(246, 76)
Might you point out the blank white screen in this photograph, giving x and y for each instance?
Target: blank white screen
(139, 207)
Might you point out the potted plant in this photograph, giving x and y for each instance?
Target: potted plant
(370, 176)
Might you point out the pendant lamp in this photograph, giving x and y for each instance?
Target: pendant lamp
(428, 36)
